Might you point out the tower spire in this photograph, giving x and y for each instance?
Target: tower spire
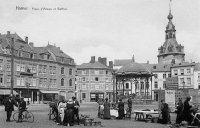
(170, 5)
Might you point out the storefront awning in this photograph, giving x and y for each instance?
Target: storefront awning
(7, 92)
(48, 92)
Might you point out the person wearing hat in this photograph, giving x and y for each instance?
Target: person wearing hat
(106, 109)
(22, 108)
(9, 107)
(76, 108)
(70, 113)
(120, 109)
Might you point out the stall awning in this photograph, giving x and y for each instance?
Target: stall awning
(48, 92)
(7, 92)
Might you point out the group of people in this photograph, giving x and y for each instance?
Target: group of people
(184, 111)
(67, 112)
(105, 107)
(9, 104)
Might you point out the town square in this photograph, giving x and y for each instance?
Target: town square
(98, 63)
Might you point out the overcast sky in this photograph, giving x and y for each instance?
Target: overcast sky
(115, 29)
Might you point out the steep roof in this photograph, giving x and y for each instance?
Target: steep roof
(134, 68)
(95, 65)
(184, 64)
(40, 50)
(158, 67)
(57, 51)
(121, 62)
(150, 67)
(19, 43)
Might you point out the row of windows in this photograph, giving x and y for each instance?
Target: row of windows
(182, 71)
(21, 53)
(156, 85)
(22, 81)
(33, 68)
(63, 71)
(96, 72)
(29, 68)
(187, 82)
(95, 87)
(63, 82)
(164, 76)
(137, 86)
(94, 79)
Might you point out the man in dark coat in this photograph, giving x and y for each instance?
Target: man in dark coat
(76, 108)
(106, 109)
(186, 110)
(9, 107)
(70, 113)
(120, 109)
(129, 105)
(165, 114)
(179, 111)
(22, 108)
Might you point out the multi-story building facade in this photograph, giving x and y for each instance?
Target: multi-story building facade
(187, 74)
(94, 80)
(40, 73)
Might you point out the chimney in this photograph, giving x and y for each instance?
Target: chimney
(31, 44)
(99, 60)
(104, 61)
(92, 59)
(8, 32)
(26, 39)
(110, 64)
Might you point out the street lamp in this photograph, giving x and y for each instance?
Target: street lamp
(12, 66)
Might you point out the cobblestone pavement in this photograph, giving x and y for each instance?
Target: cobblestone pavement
(40, 112)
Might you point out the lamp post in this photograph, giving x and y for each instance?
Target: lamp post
(183, 88)
(28, 84)
(12, 66)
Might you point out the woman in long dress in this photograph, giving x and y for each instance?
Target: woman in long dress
(106, 109)
(165, 114)
(186, 110)
(121, 109)
(61, 109)
(70, 113)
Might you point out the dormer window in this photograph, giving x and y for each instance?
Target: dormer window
(48, 57)
(28, 70)
(20, 53)
(62, 59)
(31, 55)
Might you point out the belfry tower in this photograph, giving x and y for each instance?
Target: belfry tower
(170, 52)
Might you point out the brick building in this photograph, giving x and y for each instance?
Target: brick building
(94, 80)
(40, 73)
